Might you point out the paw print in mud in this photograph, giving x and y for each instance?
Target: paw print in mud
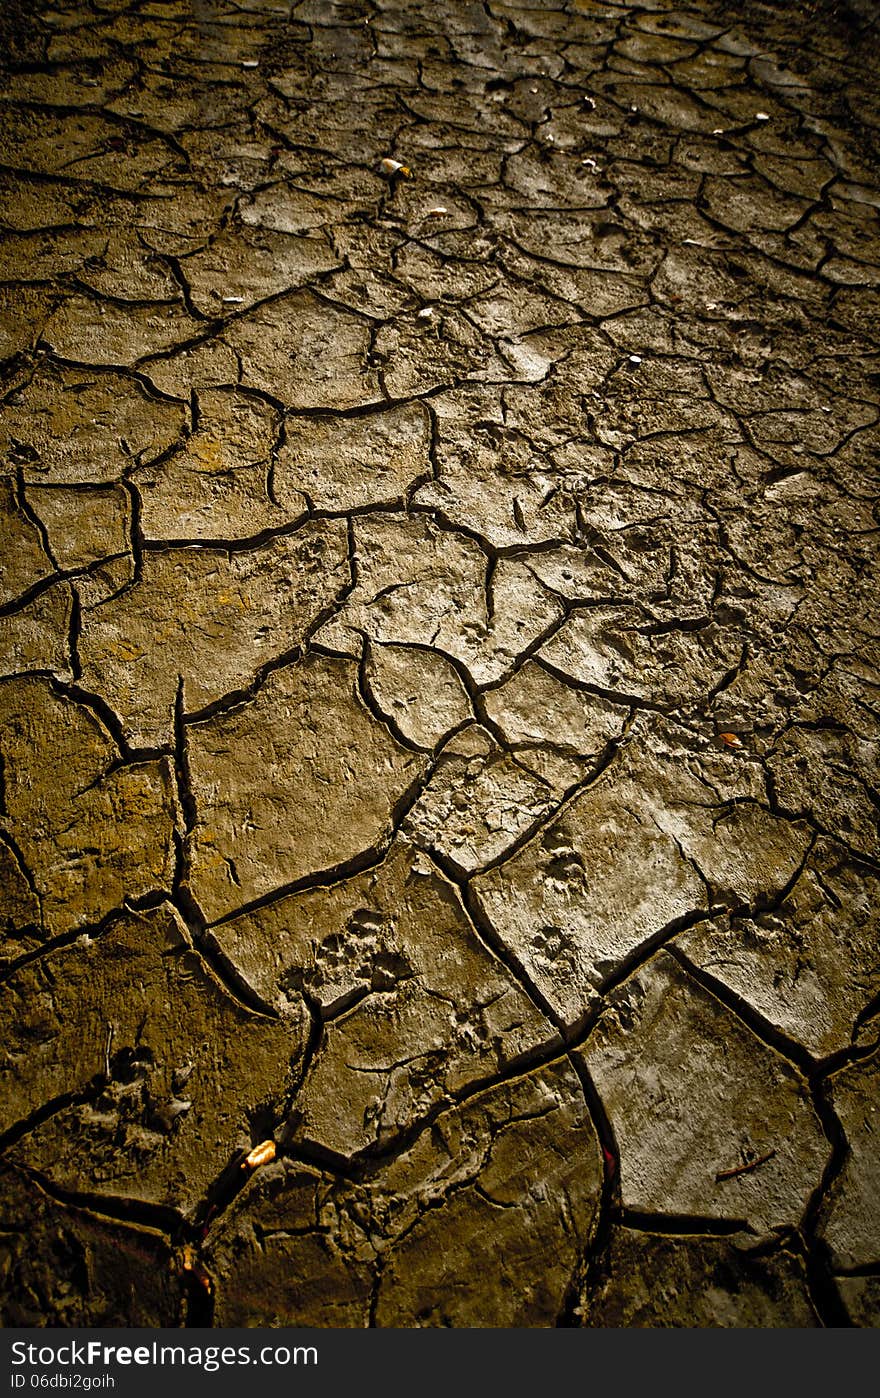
(469, 1026)
(552, 946)
(564, 865)
(312, 553)
(136, 1113)
(360, 957)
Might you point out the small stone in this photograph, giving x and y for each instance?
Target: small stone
(260, 1155)
(390, 168)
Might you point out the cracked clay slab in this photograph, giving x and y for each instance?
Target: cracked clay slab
(506, 1186)
(419, 1009)
(156, 1072)
(689, 1108)
(313, 782)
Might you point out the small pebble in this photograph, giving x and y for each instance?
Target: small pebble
(389, 167)
(260, 1155)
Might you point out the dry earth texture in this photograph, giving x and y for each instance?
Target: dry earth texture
(440, 666)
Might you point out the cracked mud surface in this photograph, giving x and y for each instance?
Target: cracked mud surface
(440, 674)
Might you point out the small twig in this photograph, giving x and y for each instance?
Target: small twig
(744, 1169)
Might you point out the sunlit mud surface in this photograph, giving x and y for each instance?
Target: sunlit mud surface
(439, 720)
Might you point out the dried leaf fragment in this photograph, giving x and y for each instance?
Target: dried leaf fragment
(260, 1155)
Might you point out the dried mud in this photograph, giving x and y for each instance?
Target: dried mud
(440, 671)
